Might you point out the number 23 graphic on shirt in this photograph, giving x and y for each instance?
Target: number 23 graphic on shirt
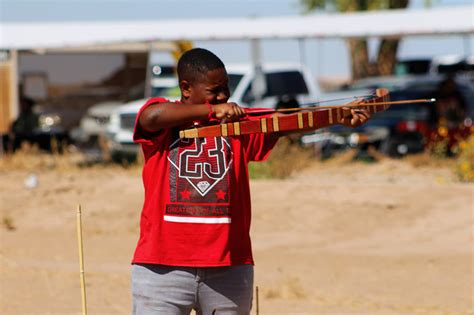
(199, 181)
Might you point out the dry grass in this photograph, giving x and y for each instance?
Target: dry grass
(428, 160)
(8, 223)
(291, 288)
(462, 164)
(286, 159)
(31, 159)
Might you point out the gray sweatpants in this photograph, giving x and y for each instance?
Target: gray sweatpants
(159, 289)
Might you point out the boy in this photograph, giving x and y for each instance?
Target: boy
(194, 250)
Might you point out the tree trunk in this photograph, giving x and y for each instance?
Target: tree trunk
(360, 64)
(387, 56)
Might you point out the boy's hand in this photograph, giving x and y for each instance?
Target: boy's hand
(354, 117)
(228, 112)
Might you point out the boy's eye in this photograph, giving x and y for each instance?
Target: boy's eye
(218, 90)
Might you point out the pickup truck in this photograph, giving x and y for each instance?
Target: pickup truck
(286, 84)
(283, 81)
(94, 123)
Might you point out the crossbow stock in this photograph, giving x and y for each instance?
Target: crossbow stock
(302, 119)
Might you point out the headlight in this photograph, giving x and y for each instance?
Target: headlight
(46, 121)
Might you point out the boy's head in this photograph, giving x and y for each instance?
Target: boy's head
(202, 77)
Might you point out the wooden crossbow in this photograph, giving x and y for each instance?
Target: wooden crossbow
(302, 119)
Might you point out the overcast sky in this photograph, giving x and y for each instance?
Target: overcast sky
(55, 10)
(327, 57)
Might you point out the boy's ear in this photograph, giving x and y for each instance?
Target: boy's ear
(185, 88)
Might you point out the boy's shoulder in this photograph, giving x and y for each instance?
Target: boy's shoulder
(155, 100)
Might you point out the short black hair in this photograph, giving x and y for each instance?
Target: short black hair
(196, 63)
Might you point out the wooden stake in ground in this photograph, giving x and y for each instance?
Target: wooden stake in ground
(81, 260)
(258, 310)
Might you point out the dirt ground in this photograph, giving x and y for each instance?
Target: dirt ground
(336, 238)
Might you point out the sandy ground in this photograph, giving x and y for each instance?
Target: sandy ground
(337, 238)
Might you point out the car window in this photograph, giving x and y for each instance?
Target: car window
(234, 80)
(452, 68)
(285, 83)
(280, 83)
(417, 66)
(373, 84)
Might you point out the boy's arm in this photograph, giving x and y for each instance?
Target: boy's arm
(166, 115)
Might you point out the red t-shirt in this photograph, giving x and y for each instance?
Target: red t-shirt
(197, 198)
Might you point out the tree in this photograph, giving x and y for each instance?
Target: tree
(361, 65)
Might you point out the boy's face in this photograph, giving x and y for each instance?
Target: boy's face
(212, 88)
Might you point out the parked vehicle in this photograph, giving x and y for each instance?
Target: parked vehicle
(282, 81)
(93, 124)
(365, 87)
(38, 126)
(401, 129)
(437, 65)
(407, 71)
(286, 84)
(120, 131)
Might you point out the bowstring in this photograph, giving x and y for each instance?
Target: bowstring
(309, 105)
(353, 98)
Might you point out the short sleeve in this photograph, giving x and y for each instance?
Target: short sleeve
(258, 146)
(139, 134)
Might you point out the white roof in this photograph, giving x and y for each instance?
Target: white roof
(243, 68)
(42, 35)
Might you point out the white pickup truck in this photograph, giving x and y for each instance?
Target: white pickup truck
(286, 84)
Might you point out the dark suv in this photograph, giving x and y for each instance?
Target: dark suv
(36, 126)
(401, 129)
